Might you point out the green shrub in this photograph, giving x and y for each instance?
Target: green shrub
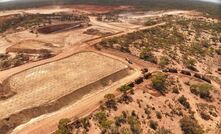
(110, 101)
(158, 82)
(148, 56)
(125, 98)
(101, 118)
(147, 112)
(109, 96)
(190, 126)
(134, 123)
(175, 90)
(120, 120)
(153, 124)
(106, 124)
(85, 123)
(111, 104)
(158, 114)
(125, 88)
(184, 101)
(203, 90)
(189, 61)
(164, 61)
(63, 127)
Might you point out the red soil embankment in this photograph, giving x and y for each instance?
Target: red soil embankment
(58, 27)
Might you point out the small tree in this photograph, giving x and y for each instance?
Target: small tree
(148, 56)
(184, 101)
(134, 124)
(158, 114)
(158, 82)
(63, 127)
(110, 102)
(109, 96)
(153, 124)
(125, 88)
(101, 118)
(164, 61)
(120, 120)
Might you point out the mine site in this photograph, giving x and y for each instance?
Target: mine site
(100, 69)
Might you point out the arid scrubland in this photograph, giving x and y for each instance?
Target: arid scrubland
(110, 70)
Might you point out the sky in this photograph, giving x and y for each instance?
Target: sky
(213, 1)
(4, 1)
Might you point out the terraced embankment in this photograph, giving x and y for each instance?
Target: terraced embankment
(49, 87)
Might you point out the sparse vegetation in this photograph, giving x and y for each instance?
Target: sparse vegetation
(34, 20)
(175, 90)
(101, 118)
(8, 61)
(63, 127)
(110, 102)
(184, 102)
(134, 123)
(148, 56)
(158, 114)
(190, 126)
(172, 41)
(158, 82)
(125, 88)
(120, 120)
(164, 61)
(203, 90)
(190, 63)
(173, 50)
(153, 124)
(125, 98)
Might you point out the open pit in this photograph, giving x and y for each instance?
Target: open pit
(49, 87)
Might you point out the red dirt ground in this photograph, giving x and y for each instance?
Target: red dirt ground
(98, 8)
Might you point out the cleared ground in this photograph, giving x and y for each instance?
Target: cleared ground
(32, 46)
(54, 80)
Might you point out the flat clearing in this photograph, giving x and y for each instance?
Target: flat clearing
(61, 40)
(51, 81)
(53, 9)
(32, 46)
(67, 8)
(97, 8)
